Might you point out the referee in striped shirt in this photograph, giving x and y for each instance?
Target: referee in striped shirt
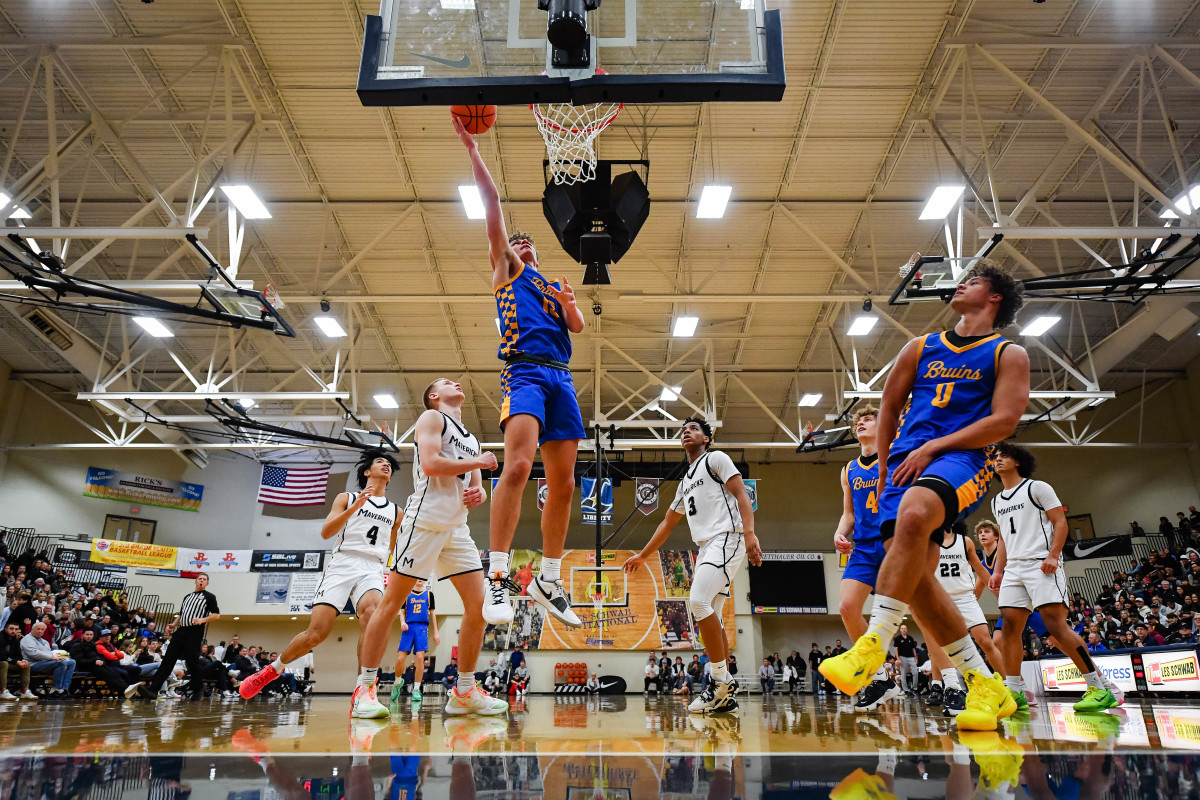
(195, 612)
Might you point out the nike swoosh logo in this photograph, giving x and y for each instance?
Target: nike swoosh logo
(462, 63)
(607, 685)
(1080, 550)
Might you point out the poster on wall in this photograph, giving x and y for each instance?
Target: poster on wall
(273, 588)
(1060, 675)
(647, 610)
(302, 591)
(192, 560)
(287, 560)
(110, 484)
(132, 554)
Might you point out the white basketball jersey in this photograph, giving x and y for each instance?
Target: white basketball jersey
(1021, 514)
(954, 571)
(369, 530)
(437, 503)
(710, 508)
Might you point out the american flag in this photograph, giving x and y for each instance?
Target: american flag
(293, 486)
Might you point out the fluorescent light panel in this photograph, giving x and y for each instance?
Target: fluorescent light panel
(1040, 325)
(810, 399)
(670, 393)
(942, 201)
(154, 327)
(472, 202)
(713, 200)
(330, 327)
(385, 400)
(246, 201)
(246, 403)
(862, 325)
(685, 326)
(1185, 203)
(16, 213)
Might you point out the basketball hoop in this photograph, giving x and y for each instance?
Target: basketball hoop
(272, 296)
(570, 133)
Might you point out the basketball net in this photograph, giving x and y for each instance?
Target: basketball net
(272, 296)
(570, 133)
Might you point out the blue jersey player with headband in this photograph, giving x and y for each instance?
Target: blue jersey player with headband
(858, 534)
(538, 406)
(949, 398)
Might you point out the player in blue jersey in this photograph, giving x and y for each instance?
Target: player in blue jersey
(968, 388)
(538, 404)
(417, 621)
(858, 534)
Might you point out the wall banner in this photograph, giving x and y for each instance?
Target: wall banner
(132, 554)
(752, 490)
(273, 588)
(287, 561)
(645, 494)
(109, 484)
(587, 503)
(1107, 547)
(1172, 670)
(192, 560)
(302, 591)
(1061, 675)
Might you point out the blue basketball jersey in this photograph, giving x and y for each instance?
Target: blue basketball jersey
(531, 320)
(416, 607)
(863, 476)
(953, 389)
(989, 562)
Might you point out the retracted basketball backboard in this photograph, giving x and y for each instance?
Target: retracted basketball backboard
(444, 52)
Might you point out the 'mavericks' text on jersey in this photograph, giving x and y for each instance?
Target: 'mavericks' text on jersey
(702, 497)
(436, 503)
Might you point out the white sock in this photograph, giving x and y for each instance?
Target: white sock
(888, 760)
(1015, 682)
(1093, 680)
(550, 568)
(719, 672)
(367, 676)
(278, 666)
(498, 562)
(966, 656)
(359, 760)
(466, 682)
(886, 616)
(950, 678)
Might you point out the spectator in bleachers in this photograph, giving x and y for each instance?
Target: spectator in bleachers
(1135, 529)
(593, 684)
(766, 676)
(23, 613)
(42, 661)
(216, 670)
(651, 671)
(814, 660)
(88, 659)
(493, 681)
(231, 650)
(1184, 525)
(695, 674)
(150, 632)
(12, 660)
(1094, 643)
(1148, 636)
(518, 683)
(450, 674)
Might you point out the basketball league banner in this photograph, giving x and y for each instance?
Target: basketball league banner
(587, 503)
(109, 484)
(191, 560)
(132, 554)
(645, 494)
(646, 610)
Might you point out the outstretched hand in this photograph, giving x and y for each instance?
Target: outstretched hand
(633, 564)
(466, 138)
(565, 296)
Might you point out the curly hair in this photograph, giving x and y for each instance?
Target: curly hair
(1026, 463)
(1010, 290)
(865, 411)
(989, 525)
(368, 458)
(705, 428)
(517, 235)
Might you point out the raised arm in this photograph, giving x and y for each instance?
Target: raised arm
(342, 511)
(429, 449)
(504, 261)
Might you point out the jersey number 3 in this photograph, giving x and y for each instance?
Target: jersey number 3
(691, 506)
(373, 535)
(941, 395)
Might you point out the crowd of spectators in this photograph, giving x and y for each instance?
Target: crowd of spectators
(52, 626)
(667, 675)
(505, 674)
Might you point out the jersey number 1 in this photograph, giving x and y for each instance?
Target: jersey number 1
(373, 535)
(941, 395)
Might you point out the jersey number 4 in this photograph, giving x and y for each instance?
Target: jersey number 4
(872, 503)
(949, 570)
(373, 535)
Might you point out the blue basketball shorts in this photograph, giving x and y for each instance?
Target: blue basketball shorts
(415, 639)
(864, 562)
(543, 392)
(1035, 622)
(960, 478)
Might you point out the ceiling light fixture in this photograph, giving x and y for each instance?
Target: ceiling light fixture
(246, 403)
(862, 325)
(809, 399)
(1185, 203)
(685, 326)
(385, 400)
(246, 201)
(669, 393)
(330, 327)
(154, 327)
(472, 202)
(1040, 325)
(17, 213)
(713, 200)
(942, 201)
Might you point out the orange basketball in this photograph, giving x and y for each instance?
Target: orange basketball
(476, 119)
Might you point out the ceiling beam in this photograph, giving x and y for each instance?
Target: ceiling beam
(1057, 42)
(9, 41)
(1021, 232)
(66, 232)
(257, 396)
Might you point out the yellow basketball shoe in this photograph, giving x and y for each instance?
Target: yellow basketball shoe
(999, 759)
(858, 785)
(988, 702)
(856, 667)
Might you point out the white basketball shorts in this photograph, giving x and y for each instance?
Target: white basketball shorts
(422, 553)
(1026, 586)
(348, 577)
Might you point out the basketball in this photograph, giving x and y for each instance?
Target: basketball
(476, 119)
